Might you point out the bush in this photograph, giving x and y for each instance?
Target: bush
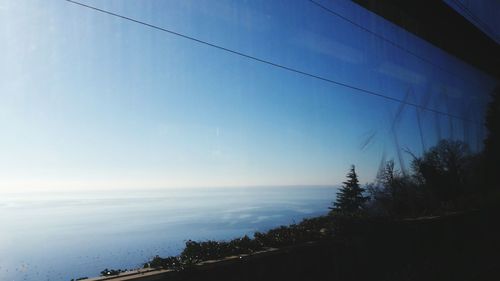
(195, 252)
(172, 263)
(111, 272)
(308, 230)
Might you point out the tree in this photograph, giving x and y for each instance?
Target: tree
(492, 141)
(350, 198)
(394, 193)
(443, 169)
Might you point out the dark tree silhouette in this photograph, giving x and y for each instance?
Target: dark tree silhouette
(394, 193)
(442, 170)
(350, 198)
(492, 141)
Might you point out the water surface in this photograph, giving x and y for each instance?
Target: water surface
(58, 236)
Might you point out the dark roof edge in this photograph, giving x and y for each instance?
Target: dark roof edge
(442, 26)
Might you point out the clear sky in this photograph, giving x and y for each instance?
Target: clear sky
(92, 101)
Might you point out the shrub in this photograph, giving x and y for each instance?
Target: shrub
(172, 263)
(308, 230)
(195, 252)
(111, 272)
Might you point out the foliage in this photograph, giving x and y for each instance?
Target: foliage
(308, 230)
(111, 272)
(443, 170)
(172, 263)
(350, 198)
(394, 193)
(445, 178)
(492, 141)
(195, 252)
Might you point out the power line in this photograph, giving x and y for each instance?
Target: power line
(384, 38)
(290, 69)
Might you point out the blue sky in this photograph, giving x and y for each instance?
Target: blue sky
(92, 101)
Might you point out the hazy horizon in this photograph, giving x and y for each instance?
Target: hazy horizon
(132, 188)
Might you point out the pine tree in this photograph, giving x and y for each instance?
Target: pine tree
(350, 198)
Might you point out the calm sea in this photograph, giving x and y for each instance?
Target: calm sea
(59, 236)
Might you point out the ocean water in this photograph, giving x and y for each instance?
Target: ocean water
(58, 236)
